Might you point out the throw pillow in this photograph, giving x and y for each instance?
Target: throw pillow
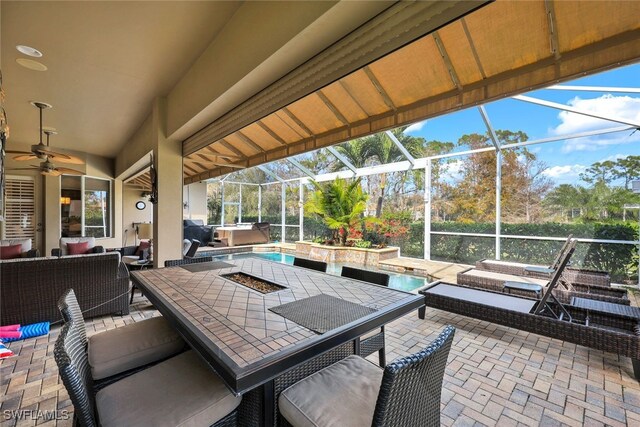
(11, 252)
(78, 248)
(143, 245)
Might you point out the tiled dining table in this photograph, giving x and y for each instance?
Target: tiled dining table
(247, 344)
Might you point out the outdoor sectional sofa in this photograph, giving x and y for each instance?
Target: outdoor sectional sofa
(30, 287)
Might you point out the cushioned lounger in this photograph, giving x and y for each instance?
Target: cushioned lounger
(522, 305)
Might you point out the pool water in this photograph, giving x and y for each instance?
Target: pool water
(402, 282)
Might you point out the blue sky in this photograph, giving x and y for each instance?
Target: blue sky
(564, 159)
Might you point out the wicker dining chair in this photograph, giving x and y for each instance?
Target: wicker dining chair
(195, 390)
(310, 264)
(184, 261)
(370, 343)
(353, 391)
(121, 352)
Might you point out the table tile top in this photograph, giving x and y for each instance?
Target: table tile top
(237, 319)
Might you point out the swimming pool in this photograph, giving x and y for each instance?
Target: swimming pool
(402, 282)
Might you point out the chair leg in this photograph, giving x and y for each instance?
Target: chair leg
(422, 311)
(382, 358)
(133, 289)
(636, 368)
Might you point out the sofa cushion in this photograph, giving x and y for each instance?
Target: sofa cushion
(182, 391)
(135, 345)
(25, 243)
(344, 393)
(144, 244)
(64, 250)
(11, 252)
(78, 248)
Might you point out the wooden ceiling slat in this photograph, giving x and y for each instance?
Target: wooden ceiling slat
(231, 148)
(376, 83)
(284, 127)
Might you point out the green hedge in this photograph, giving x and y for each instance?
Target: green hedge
(614, 258)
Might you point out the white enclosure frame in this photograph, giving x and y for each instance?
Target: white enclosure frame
(426, 163)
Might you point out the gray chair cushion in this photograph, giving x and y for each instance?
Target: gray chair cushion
(343, 394)
(181, 391)
(131, 346)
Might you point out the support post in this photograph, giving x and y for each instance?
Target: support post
(301, 210)
(260, 203)
(283, 207)
(427, 211)
(168, 209)
(498, 200)
(222, 205)
(240, 205)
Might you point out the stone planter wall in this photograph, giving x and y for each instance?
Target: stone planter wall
(341, 254)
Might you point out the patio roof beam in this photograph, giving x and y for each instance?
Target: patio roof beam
(596, 89)
(487, 123)
(447, 60)
(301, 168)
(297, 121)
(250, 142)
(271, 133)
(230, 147)
(343, 159)
(573, 110)
(333, 108)
(270, 173)
(383, 93)
(401, 147)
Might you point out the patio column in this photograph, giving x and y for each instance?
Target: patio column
(427, 210)
(167, 212)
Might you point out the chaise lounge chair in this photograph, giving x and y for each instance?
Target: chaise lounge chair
(571, 275)
(527, 286)
(617, 333)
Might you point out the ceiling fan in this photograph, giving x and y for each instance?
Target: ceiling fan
(41, 151)
(49, 169)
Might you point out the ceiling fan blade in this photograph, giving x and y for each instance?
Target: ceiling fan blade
(53, 172)
(17, 152)
(68, 171)
(25, 157)
(66, 159)
(54, 154)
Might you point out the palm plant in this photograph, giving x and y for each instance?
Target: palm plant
(339, 204)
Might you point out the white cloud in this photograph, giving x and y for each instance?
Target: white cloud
(615, 157)
(565, 173)
(622, 107)
(415, 127)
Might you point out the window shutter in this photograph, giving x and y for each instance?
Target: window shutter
(20, 208)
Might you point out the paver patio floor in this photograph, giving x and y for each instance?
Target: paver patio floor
(495, 375)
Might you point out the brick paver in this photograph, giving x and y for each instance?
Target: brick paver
(495, 375)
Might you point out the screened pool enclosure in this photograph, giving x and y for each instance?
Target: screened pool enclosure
(508, 180)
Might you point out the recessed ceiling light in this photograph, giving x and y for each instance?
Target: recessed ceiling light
(31, 64)
(28, 50)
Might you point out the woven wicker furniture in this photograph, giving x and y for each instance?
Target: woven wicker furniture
(494, 281)
(183, 261)
(253, 349)
(371, 342)
(354, 392)
(120, 352)
(614, 333)
(179, 391)
(311, 264)
(30, 287)
(27, 250)
(63, 250)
